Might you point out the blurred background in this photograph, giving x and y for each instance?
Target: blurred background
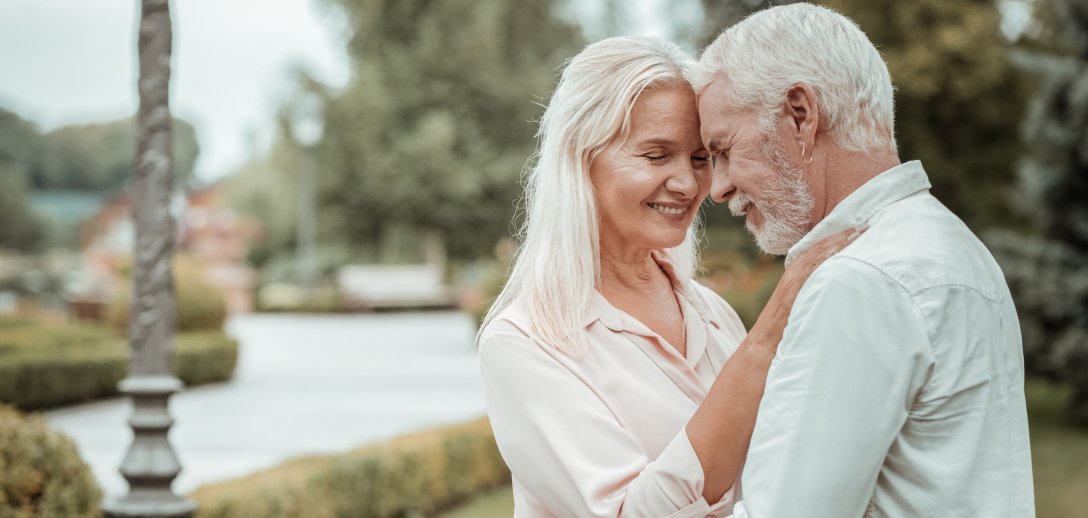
(347, 183)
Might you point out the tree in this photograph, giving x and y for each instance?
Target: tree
(720, 15)
(88, 157)
(1048, 270)
(432, 133)
(264, 188)
(21, 229)
(97, 157)
(959, 100)
(19, 140)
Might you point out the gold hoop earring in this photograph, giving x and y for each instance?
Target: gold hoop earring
(809, 161)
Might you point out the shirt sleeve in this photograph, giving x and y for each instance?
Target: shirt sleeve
(566, 448)
(852, 359)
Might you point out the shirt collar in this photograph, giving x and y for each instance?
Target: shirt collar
(895, 184)
(600, 309)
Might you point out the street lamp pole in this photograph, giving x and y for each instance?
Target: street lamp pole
(150, 464)
(307, 127)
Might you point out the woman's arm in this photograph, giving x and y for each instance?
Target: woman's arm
(722, 427)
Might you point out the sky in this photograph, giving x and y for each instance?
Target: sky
(74, 61)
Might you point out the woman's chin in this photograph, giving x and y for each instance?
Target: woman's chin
(666, 242)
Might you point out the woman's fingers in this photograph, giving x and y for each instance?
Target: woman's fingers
(827, 247)
(775, 315)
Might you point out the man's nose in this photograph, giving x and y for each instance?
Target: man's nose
(721, 187)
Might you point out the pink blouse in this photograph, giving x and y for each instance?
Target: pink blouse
(601, 433)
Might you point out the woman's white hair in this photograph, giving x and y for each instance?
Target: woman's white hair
(773, 50)
(557, 266)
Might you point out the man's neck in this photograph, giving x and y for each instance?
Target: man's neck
(845, 172)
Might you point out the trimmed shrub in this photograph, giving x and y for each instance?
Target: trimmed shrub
(41, 473)
(202, 357)
(43, 366)
(413, 475)
(198, 306)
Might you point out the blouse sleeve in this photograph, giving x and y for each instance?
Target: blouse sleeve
(568, 450)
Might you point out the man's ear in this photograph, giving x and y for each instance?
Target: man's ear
(803, 112)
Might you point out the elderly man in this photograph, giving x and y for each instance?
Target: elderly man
(897, 389)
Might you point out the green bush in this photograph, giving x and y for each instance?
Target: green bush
(202, 357)
(41, 473)
(198, 306)
(413, 475)
(46, 365)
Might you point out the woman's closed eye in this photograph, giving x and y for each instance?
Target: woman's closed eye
(656, 156)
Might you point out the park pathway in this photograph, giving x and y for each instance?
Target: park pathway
(304, 384)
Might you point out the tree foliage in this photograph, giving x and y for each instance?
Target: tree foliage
(438, 122)
(959, 99)
(20, 227)
(1048, 271)
(90, 157)
(99, 156)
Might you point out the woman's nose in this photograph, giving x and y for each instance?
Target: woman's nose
(683, 182)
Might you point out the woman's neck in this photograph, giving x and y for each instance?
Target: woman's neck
(630, 271)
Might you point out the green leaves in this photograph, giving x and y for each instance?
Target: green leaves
(959, 100)
(431, 136)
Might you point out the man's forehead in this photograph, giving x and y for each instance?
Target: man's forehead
(715, 95)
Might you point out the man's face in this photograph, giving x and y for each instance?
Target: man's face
(753, 172)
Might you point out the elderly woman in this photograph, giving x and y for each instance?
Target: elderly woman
(616, 385)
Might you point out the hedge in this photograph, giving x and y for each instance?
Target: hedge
(413, 475)
(44, 366)
(41, 473)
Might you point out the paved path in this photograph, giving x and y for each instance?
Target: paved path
(304, 384)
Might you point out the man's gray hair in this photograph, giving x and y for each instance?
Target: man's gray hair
(773, 50)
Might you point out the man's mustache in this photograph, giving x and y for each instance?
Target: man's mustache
(739, 204)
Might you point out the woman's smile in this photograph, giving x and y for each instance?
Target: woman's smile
(670, 209)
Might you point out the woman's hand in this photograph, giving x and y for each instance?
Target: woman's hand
(722, 426)
(767, 331)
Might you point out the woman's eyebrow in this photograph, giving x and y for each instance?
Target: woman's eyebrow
(658, 141)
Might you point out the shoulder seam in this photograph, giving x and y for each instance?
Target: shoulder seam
(930, 326)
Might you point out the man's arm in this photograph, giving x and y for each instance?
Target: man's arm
(852, 359)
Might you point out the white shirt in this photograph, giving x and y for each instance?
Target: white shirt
(601, 433)
(898, 388)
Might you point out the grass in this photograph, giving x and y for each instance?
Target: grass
(1059, 454)
(1059, 458)
(494, 503)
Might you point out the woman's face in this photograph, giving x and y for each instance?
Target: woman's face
(649, 186)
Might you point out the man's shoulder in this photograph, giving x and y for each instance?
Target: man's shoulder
(921, 244)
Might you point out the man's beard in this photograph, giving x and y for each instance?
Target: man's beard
(786, 206)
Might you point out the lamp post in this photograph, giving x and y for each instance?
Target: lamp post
(150, 464)
(307, 126)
